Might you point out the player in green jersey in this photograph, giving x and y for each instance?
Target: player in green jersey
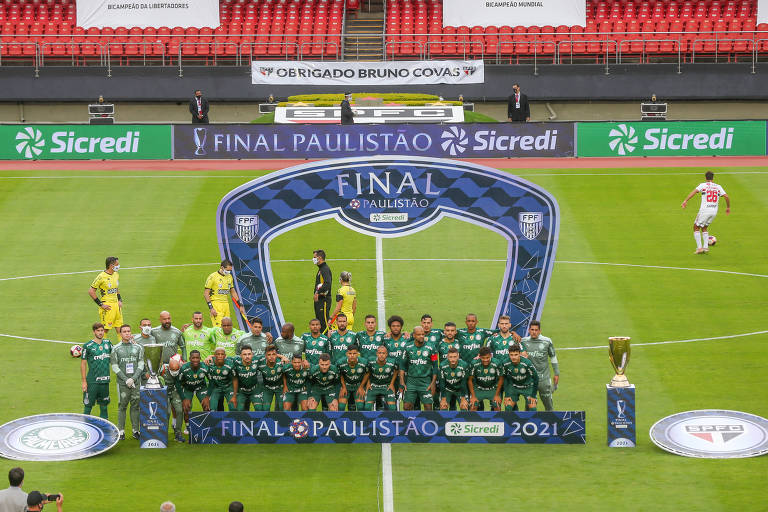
(95, 383)
(353, 372)
(198, 337)
(501, 341)
(454, 373)
(127, 360)
(520, 378)
(484, 382)
(295, 380)
(257, 339)
(324, 384)
(226, 336)
(449, 340)
(379, 382)
(170, 337)
(288, 344)
(170, 373)
(314, 343)
(420, 365)
(193, 382)
(249, 391)
(271, 370)
(431, 336)
(222, 381)
(370, 339)
(395, 341)
(472, 338)
(341, 339)
(540, 351)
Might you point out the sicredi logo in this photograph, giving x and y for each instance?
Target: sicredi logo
(31, 143)
(474, 429)
(623, 139)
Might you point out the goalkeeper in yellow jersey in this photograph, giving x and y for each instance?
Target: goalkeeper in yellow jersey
(346, 300)
(218, 287)
(105, 293)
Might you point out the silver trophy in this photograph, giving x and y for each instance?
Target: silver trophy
(153, 359)
(200, 135)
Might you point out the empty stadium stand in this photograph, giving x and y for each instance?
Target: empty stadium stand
(623, 31)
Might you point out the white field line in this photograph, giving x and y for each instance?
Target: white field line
(386, 448)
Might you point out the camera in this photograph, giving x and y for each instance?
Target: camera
(52, 497)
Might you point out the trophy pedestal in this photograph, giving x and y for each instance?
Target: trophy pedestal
(153, 417)
(621, 416)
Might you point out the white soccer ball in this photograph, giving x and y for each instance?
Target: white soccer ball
(712, 240)
(76, 351)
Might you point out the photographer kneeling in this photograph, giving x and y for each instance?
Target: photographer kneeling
(36, 500)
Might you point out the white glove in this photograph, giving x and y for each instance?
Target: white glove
(130, 383)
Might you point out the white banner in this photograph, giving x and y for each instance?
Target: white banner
(762, 11)
(148, 13)
(518, 12)
(403, 72)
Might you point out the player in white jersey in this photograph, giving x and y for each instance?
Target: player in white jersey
(711, 193)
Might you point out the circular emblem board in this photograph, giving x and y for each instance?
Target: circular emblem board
(58, 436)
(712, 434)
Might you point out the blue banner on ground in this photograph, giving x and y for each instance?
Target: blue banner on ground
(387, 427)
(621, 417)
(153, 418)
(491, 140)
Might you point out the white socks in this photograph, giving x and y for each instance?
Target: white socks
(705, 239)
(697, 237)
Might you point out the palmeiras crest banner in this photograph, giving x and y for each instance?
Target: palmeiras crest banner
(391, 197)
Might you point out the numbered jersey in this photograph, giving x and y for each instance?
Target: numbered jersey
(710, 196)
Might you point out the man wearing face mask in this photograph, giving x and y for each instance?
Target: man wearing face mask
(105, 293)
(198, 107)
(218, 287)
(322, 289)
(145, 338)
(173, 341)
(518, 110)
(169, 373)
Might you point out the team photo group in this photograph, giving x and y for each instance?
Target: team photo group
(331, 366)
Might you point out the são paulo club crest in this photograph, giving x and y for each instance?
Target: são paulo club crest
(390, 197)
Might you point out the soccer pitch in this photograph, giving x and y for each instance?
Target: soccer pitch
(625, 266)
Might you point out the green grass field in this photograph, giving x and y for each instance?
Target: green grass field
(65, 223)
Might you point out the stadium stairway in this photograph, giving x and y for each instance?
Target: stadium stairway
(364, 34)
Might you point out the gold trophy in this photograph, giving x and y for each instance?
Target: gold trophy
(618, 353)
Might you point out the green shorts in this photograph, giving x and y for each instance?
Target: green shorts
(486, 394)
(330, 394)
(189, 395)
(247, 398)
(409, 397)
(515, 393)
(217, 395)
(97, 394)
(271, 394)
(377, 391)
(294, 397)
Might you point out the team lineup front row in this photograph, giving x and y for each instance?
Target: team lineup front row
(443, 368)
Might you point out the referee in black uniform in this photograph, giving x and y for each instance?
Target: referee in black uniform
(322, 290)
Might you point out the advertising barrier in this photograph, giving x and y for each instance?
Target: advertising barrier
(692, 138)
(243, 141)
(363, 115)
(83, 142)
(387, 427)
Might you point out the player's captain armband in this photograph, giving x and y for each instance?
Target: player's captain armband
(433, 357)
